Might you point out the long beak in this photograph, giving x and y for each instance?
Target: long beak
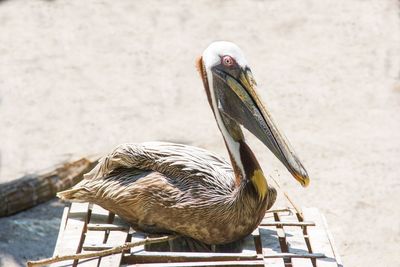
(243, 104)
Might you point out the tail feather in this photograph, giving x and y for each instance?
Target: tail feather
(75, 194)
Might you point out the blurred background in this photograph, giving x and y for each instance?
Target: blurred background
(80, 77)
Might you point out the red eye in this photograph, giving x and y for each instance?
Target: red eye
(227, 61)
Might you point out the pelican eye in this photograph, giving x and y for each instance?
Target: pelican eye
(227, 61)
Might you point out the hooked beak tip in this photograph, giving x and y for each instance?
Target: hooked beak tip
(306, 182)
(301, 176)
(303, 180)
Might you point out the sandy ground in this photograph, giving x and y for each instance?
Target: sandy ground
(79, 77)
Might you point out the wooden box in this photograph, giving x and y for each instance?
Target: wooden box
(282, 239)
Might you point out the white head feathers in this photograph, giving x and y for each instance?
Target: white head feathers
(213, 53)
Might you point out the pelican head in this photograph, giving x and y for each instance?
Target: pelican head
(231, 91)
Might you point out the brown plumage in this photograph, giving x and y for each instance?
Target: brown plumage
(165, 187)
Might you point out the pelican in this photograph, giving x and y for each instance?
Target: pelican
(162, 187)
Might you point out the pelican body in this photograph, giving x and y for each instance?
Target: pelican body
(163, 187)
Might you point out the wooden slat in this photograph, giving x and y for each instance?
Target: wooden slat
(281, 238)
(279, 210)
(274, 232)
(257, 241)
(98, 215)
(270, 244)
(335, 251)
(73, 234)
(296, 242)
(249, 246)
(98, 246)
(196, 255)
(255, 263)
(106, 226)
(137, 236)
(286, 223)
(296, 255)
(115, 237)
(64, 219)
(319, 239)
(159, 257)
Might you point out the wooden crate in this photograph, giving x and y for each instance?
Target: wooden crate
(282, 239)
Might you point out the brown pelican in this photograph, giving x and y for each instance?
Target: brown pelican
(166, 187)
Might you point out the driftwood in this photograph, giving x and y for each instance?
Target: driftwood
(31, 190)
(106, 252)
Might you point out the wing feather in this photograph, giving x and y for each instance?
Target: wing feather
(177, 161)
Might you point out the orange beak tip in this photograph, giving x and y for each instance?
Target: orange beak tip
(305, 182)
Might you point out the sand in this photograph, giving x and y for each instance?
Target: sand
(79, 77)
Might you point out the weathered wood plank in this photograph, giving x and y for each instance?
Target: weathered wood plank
(103, 233)
(106, 227)
(282, 238)
(319, 240)
(64, 219)
(98, 215)
(118, 237)
(73, 234)
(257, 241)
(99, 246)
(249, 246)
(137, 236)
(159, 257)
(296, 255)
(270, 244)
(296, 241)
(196, 255)
(335, 251)
(115, 237)
(286, 223)
(255, 263)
